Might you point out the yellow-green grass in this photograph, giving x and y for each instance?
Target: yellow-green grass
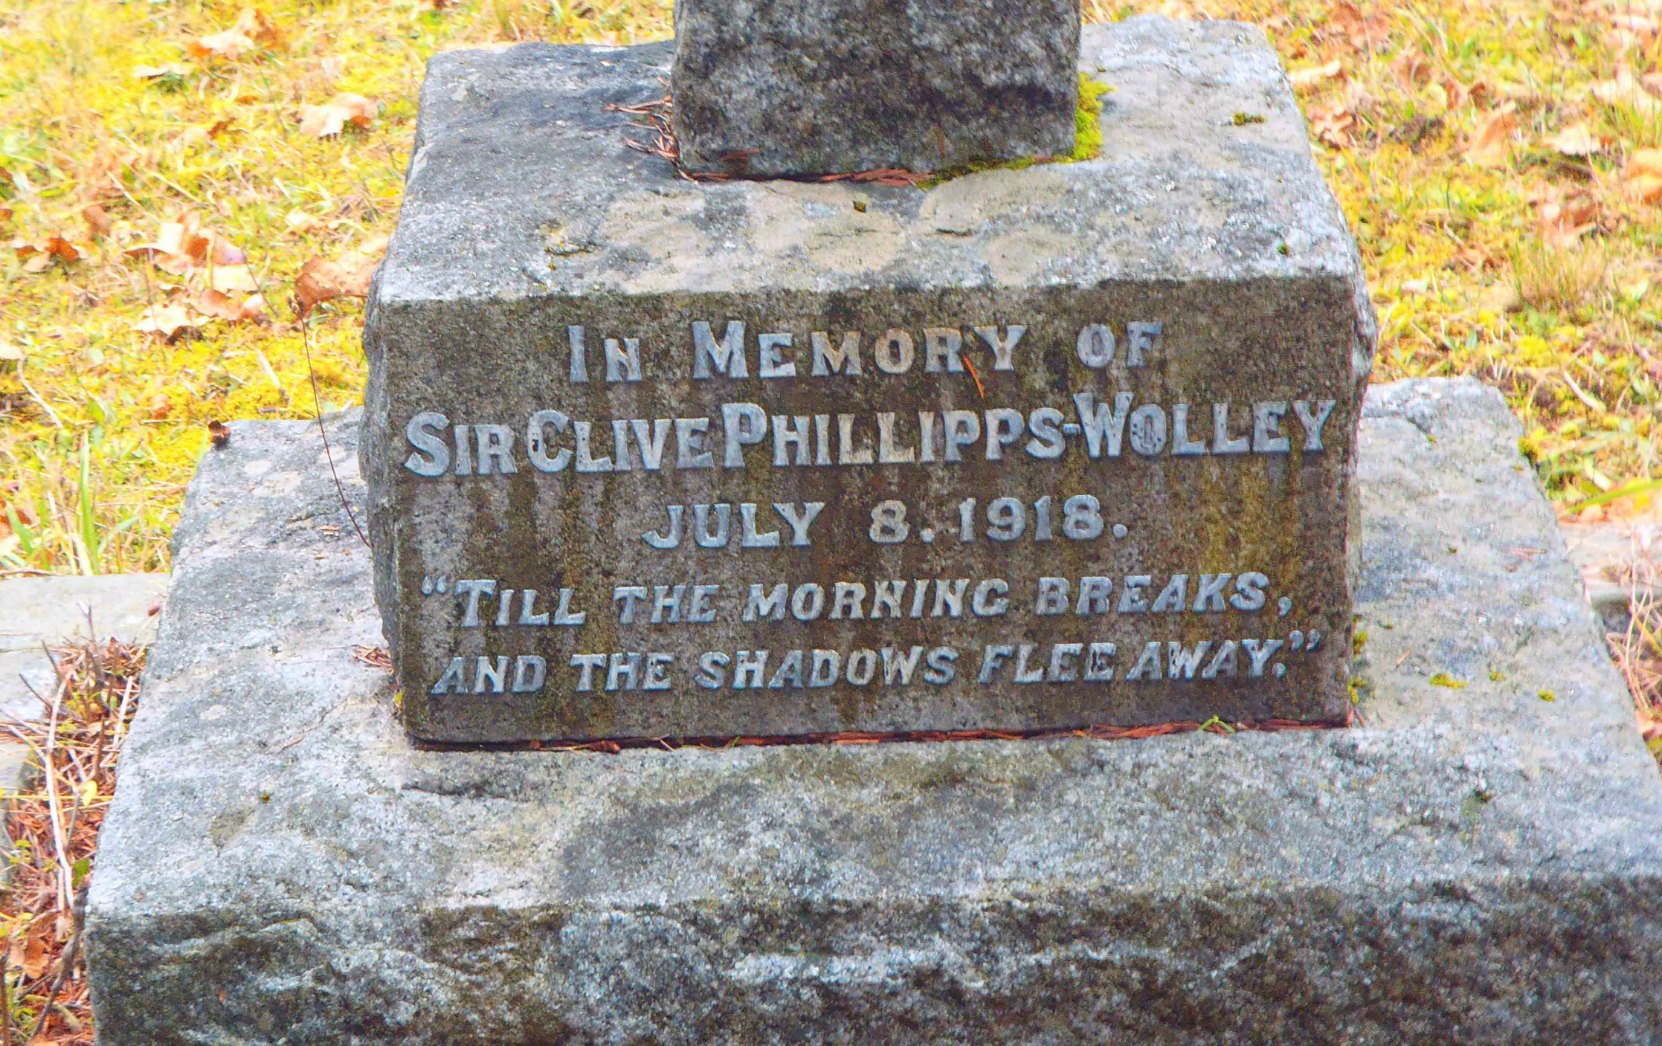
(101, 425)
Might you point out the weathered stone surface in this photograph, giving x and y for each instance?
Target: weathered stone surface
(526, 215)
(1474, 864)
(771, 88)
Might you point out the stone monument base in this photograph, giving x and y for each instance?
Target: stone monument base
(1480, 861)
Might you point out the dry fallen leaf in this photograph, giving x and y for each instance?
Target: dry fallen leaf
(1333, 125)
(1491, 143)
(1578, 140)
(1315, 74)
(330, 118)
(1642, 175)
(169, 321)
(38, 255)
(32, 953)
(1363, 31)
(8, 351)
(1628, 92)
(1411, 68)
(183, 246)
(251, 30)
(219, 433)
(98, 221)
(322, 280)
(223, 306)
(63, 250)
(1565, 219)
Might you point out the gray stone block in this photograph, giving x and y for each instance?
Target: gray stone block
(1209, 248)
(1474, 864)
(765, 87)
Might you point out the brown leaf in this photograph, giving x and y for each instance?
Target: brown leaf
(98, 221)
(1333, 125)
(33, 954)
(37, 255)
(219, 433)
(330, 118)
(322, 280)
(167, 320)
(224, 307)
(1642, 175)
(1491, 143)
(182, 247)
(251, 30)
(1564, 220)
(63, 250)
(216, 304)
(1364, 32)
(1411, 68)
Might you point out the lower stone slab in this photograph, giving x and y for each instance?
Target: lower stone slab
(40, 614)
(1481, 861)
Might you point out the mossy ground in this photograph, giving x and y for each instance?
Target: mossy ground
(1485, 152)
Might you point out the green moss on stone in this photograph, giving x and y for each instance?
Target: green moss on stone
(1445, 680)
(1087, 139)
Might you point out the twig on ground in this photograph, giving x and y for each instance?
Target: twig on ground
(43, 989)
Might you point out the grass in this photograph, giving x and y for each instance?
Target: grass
(1495, 244)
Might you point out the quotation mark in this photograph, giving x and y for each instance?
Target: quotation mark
(434, 586)
(1302, 641)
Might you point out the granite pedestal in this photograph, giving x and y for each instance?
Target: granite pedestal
(617, 421)
(1472, 862)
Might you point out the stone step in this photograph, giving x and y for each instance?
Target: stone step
(42, 613)
(1478, 862)
(1620, 563)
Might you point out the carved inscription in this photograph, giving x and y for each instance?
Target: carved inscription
(1053, 585)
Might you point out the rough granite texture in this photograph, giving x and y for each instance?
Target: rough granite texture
(526, 213)
(763, 87)
(1474, 864)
